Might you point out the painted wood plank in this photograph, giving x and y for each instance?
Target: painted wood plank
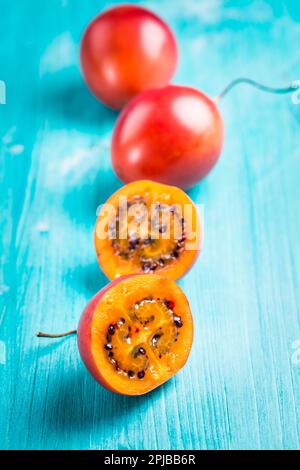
(240, 388)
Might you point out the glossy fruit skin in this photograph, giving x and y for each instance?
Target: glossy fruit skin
(173, 135)
(84, 336)
(125, 50)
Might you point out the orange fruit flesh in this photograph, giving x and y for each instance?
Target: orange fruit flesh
(154, 235)
(141, 333)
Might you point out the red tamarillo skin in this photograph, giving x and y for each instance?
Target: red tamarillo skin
(125, 50)
(84, 336)
(173, 135)
(136, 333)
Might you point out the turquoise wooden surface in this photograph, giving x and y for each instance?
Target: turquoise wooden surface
(240, 388)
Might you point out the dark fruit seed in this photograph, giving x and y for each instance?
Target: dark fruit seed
(108, 338)
(110, 354)
(111, 329)
(108, 347)
(130, 373)
(141, 374)
(162, 229)
(155, 339)
(170, 304)
(142, 351)
(146, 267)
(161, 262)
(178, 322)
(133, 243)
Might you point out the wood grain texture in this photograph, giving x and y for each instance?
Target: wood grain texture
(240, 388)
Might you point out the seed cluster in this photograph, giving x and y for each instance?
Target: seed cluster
(139, 351)
(136, 246)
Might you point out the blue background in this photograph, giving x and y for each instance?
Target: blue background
(240, 388)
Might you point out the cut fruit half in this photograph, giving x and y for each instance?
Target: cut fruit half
(136, 333)
(147, 227)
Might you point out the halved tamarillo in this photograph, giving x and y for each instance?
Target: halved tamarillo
(147, 227)
(136, 333)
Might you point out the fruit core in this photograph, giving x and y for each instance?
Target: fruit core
(135, 345)
(152, 235)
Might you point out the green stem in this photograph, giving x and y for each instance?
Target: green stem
(40, 334)
(248, 81)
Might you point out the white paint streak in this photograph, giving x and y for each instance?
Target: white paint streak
(16, 149)
(42, 227)
(72, 158)
(209, 12)
(255, 12)
(81, 161)
(60, 54)
(8, 136)
(2, 353)
(3, 289)
(198, 44)
(212, 12)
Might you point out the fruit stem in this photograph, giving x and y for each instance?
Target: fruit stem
(279, 91)
(40, 334)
